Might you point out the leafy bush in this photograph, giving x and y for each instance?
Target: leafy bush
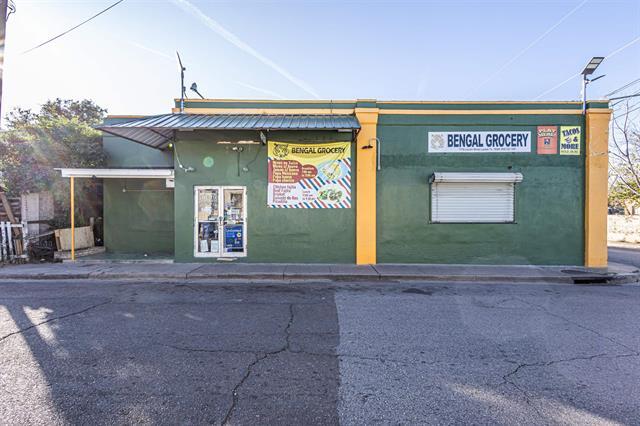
(61, 134)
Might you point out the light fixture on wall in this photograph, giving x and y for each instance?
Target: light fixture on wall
(238, 150)
(369, 146)
(194, 88)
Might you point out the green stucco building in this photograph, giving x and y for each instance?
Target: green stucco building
(361, 181)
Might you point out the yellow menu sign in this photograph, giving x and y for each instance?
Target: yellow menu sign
(313, 175)
(570, 140)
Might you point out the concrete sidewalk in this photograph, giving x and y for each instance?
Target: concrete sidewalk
(616, 273)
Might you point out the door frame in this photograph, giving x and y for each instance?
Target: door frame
(221, 252)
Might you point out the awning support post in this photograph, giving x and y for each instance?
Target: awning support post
(73, 218)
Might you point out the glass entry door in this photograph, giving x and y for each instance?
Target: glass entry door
(220, 222)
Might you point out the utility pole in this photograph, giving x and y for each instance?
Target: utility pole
(3, 31)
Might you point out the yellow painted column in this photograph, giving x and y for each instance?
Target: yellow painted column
(366, 158)
(596, 187)
(73, 218)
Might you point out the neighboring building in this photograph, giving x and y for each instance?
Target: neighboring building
(360, 182)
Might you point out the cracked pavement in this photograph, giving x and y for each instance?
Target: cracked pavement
(83, 352)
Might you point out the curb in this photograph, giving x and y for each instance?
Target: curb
(580, 279)
(478, 278)
(45, 277)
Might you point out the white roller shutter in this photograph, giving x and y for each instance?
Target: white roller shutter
(480, 198)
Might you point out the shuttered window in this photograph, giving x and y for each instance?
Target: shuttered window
(473, 197)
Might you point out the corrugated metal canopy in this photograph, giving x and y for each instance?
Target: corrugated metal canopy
(157, 131)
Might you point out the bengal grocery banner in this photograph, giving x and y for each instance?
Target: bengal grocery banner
(461, 141)
(309, 176)
(570, 140)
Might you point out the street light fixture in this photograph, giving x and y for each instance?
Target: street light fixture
(592, 65)
(588, 70)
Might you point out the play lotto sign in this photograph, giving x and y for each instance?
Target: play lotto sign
(547, 139)
(570, 140)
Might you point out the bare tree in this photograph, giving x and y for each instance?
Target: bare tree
(624, 157)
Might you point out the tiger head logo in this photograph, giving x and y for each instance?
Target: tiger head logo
(437, 141)
(280, 150)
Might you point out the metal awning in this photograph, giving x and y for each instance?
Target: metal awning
(118, 173)
(157, 131)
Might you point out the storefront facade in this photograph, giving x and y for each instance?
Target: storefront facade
(371, 182)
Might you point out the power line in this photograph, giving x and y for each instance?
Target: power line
(623, 107)
(622, 88)
(627, 112)
(617, 98)
(557, 86)
(73, 28)
(623, 99)
(12, 8)
(530, 45)
(615, 52)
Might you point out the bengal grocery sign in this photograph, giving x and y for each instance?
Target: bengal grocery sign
(309, 176)
(502, 141)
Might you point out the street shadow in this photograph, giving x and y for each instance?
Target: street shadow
(169, 354)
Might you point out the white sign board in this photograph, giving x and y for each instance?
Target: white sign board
(503, 141)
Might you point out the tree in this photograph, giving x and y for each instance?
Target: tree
(624, 159)
(61, 134)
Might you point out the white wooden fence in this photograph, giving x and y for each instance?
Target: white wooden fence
(12, 246)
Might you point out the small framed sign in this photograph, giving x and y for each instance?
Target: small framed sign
(570, 140)
(547, 139)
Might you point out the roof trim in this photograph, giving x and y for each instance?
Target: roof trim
(117, 173)
(271, 101)
(265, 111)
(390, 101)
(484, 111)
(158, 130)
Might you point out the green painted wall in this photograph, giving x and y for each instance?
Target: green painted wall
(140, 219)
(274, 235)
(549, 226)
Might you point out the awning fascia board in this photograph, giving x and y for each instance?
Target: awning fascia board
(117, 173)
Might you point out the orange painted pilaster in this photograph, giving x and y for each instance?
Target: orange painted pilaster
(366, 186)
(596, 188)
(73, 217)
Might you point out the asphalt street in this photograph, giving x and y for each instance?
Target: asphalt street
(82, 352)
(626, 255)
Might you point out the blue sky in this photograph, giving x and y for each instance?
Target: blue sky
(393, 50)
